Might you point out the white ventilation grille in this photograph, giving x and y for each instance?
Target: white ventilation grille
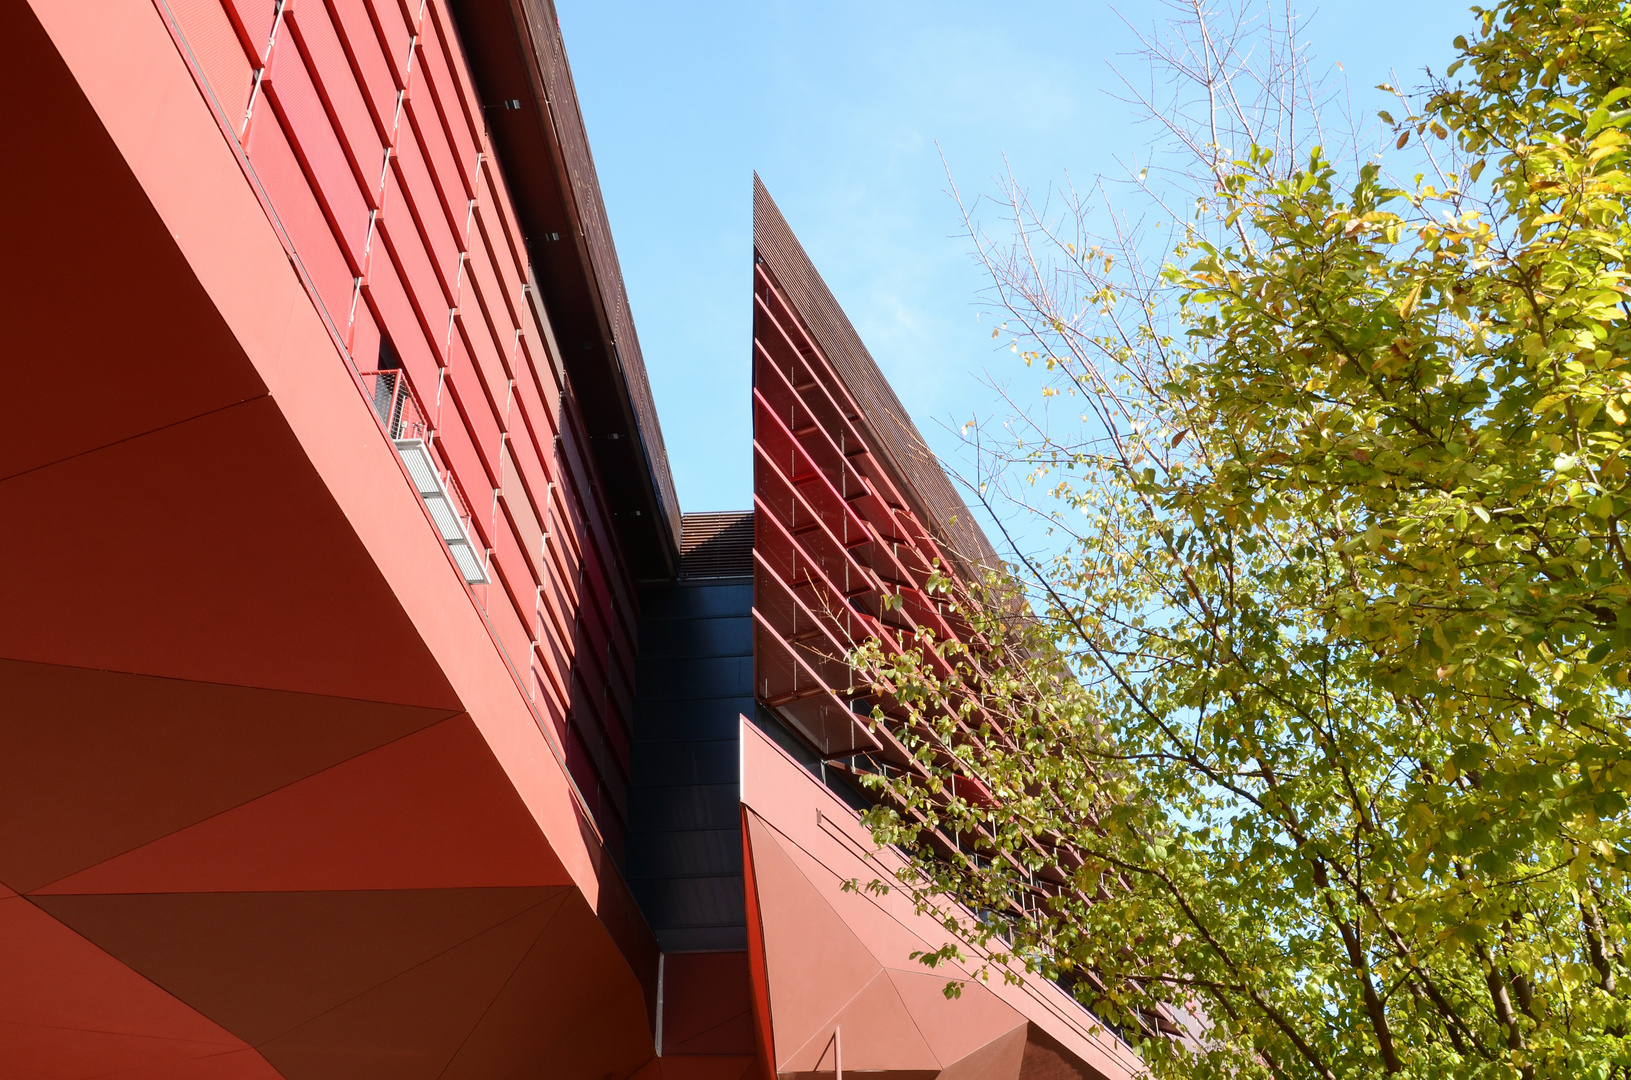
(422, 470)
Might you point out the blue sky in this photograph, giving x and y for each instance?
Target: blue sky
(840, 105)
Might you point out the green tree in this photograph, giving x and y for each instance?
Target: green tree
(1314, 732)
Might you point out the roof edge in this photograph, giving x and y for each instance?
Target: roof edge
(883, 417)
(518, 56)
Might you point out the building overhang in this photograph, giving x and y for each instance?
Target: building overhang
(272, 801)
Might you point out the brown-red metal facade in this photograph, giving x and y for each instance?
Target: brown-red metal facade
(362, 126)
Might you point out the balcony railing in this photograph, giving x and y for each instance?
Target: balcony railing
(396, 405)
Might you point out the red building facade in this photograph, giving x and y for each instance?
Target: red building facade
(369, 707)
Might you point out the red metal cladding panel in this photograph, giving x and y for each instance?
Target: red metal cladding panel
(551, 699)
(588, 697)
(500, 286)
(523, 516)
(422, 113)
(583, 770)
(457, 62)
(556, 608)
(512, 632)
(588, 702)
(548, 661)
(533, 473)
(536, 387)
(570, 456)
(424, 202)
(461, 126)
(253, 21)
(473, 330)
(497, 222)
(604, 588)
(592, 624)
(395, 31)
(405, 245)
(518, 572)
(589, 520)
(621, 684)
(595, 575)
(365, 338)
(215, 44)
(453, 443)
(496, 316)
(557, 625)
(512, 564)
(302, 218)
(563, 554)
(288, 84)
(527, 436)
(477, 412)
(563, 538)
(340, 86)
(375, 78)
(439, 26)
(399, 320)
(613, 722)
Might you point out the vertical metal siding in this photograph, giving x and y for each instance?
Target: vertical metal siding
(290, 89)
(253, 20)
(420, 283)
(424, 202)
(375, 79)
(220, 51)
(339, 85)
(302, 217)
(458, 132)
(444, 279)
(395, 31)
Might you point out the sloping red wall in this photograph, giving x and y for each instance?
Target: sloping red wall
(359, 121)
(276, 798)
(841, 557)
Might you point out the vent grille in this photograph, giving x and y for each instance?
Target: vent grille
(717, 545)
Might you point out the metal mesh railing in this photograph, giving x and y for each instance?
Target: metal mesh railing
(395, 403)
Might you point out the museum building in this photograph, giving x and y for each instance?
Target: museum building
(369, 708)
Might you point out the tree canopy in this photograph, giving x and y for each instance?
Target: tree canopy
(1311, 743)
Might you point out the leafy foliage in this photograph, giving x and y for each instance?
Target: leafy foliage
(1316, 746)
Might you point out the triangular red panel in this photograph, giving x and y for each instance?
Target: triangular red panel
(432, 810)
(814, 963)
(262, 964)
(68, 1009)
(100, 762)
(558, 1014)
(875, 1033)
(412, 1026)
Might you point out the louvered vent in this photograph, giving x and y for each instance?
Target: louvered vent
(422, 469)
(717, 545)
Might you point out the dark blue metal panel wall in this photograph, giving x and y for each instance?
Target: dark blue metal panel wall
(694, 678)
